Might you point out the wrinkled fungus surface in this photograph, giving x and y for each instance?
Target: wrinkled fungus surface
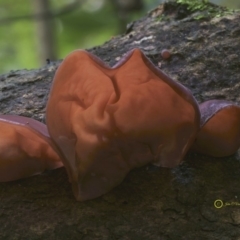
(220, 128)
(25, 148)
(107, 121)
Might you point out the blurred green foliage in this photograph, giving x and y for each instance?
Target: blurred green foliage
(85, 27)
(78, 29)
(16, 38)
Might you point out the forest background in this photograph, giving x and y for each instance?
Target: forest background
(32, 31)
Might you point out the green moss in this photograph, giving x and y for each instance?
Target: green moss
(195, 5)
(204, 8)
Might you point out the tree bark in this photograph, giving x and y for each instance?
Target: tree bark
(151, 203)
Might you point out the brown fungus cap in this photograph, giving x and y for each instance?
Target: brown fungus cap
(107, 121)
(25, 148)
(220, 129)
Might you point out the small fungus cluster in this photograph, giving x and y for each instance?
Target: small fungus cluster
(105, 121)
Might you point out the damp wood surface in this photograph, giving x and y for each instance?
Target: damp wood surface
(151, 203)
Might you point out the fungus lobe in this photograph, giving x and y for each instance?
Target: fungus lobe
(106, 121)
(219, 135)
(25, 148)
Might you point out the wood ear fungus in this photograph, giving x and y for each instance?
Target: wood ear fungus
(25, 148)
(107, 121)
(219, 135)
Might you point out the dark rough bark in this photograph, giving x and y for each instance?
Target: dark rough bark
(151, 203)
